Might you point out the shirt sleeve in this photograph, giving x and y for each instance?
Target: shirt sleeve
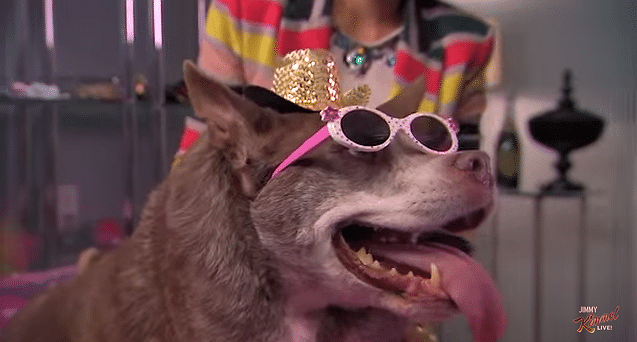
(217, 52)
(462, 90)
(238, 44)
(472, 99)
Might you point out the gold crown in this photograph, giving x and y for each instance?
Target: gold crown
(309, 78)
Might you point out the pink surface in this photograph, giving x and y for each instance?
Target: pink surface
(9, 305)
(17, 289)
(36, 278)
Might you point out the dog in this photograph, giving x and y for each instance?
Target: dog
(342, 245)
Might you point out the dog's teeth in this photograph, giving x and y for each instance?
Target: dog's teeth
(376, 265)
(383, 239)
(410, 274)
(365, 257)
(368, 259)
(436, 277)
(393, 272)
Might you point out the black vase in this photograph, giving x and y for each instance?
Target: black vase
(565, 129)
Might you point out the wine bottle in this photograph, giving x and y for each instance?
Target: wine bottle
(508, 151)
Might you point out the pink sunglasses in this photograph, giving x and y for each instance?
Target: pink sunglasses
(370, 130)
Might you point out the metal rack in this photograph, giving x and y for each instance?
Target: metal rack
(35, 125)
(522, 245)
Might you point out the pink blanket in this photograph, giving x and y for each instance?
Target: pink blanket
(17, 289)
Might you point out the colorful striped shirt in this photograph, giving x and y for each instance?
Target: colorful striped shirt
(450, 48)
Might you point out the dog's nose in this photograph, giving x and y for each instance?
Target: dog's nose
(476, 162)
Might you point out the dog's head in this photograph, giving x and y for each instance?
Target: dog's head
(355, 230)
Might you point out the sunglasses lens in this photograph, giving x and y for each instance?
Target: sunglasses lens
(432, 133)
(365, 128)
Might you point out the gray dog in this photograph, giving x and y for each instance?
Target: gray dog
(341, 245)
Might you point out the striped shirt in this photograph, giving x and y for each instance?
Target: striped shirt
(450, 48)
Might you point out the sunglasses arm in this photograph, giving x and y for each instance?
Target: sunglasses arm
(308, 146)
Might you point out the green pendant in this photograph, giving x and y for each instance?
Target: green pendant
(357, 58)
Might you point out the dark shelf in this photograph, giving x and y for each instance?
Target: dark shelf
(14, 100)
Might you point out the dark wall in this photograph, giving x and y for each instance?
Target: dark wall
(89, 39)
(543, 37)
(91, 146)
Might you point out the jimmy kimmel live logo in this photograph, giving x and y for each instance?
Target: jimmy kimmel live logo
(593, 322)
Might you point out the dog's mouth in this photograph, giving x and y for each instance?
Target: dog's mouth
(363, 247)
(421, 267)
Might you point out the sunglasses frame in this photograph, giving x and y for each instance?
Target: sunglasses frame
(334, 116)
(333, 130)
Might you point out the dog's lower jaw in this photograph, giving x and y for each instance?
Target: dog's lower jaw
(315, 312)
(436, 310)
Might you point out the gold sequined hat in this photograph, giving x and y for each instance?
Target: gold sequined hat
(309, 78)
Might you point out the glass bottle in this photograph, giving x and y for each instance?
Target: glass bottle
(508, 150)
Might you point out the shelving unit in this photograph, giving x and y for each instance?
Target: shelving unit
(124, 147)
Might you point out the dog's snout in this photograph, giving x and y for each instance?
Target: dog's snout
(477, 163)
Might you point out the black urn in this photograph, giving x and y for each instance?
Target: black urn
(565, 129)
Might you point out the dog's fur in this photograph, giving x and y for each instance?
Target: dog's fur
(223, 253)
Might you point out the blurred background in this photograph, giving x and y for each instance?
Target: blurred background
(75, 169)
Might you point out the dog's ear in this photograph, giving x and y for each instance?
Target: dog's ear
(253, 139)
(407, 101)
(219, 106)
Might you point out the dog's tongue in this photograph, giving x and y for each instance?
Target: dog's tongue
(467, 283)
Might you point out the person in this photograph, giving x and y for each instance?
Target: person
(382, 43)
